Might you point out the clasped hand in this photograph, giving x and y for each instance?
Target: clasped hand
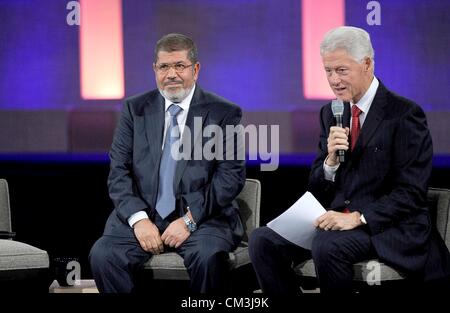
(151, 241)
(175, 234)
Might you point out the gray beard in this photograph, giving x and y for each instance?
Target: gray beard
(177, 96)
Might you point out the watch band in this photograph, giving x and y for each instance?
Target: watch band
(191, 226)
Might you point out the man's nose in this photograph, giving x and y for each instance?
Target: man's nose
(171, 73)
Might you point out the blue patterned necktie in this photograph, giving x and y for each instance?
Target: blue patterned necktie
(166, 195)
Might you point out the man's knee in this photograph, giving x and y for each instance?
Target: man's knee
(258, 241)
(206, 259)
(323, 250)
(100, 254)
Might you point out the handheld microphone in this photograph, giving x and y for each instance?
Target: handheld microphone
(337, 107)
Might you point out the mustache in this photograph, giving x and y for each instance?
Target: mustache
(172, 81)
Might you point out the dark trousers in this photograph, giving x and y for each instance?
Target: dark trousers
(333, 252)
(115, 262)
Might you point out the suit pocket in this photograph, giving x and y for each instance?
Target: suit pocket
(378, 160)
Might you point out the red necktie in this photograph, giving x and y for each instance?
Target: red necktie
(355, 125)
(354, 133)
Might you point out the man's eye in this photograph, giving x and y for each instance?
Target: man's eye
(163, 67)
(179, 67)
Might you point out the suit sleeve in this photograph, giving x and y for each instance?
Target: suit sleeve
(412, 163)
(122, 189)
(321, 188)
(228, 178)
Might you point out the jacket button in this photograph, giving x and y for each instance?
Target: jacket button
(347, 202)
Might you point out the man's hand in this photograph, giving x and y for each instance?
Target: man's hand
(333, 220)
(337, 140)
(176, 233)
(148, 236)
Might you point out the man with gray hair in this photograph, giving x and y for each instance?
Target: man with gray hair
(375, 199)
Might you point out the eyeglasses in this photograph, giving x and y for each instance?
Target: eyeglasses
(179, 67)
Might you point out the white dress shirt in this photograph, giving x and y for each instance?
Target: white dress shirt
(181, 119)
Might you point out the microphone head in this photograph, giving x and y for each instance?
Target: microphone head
(337, 106)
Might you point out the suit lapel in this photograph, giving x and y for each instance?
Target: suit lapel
(197, 109)
(373, 119)
(154, 127)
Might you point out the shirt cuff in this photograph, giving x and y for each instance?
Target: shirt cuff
(363, 219)
(329, 171)
(136, 217)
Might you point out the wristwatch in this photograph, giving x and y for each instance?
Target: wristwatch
(191, 226)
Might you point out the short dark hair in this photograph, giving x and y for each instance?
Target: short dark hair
(177, 42)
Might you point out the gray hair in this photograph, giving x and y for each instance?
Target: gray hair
(355, 41)
(177, 42)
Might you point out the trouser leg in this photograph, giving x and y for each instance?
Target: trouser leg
(272, 258)
(335, 252)
(114, 261)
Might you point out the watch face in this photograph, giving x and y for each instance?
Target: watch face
(191, 227)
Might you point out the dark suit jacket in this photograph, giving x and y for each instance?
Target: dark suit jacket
(208, 187)
(385, 178)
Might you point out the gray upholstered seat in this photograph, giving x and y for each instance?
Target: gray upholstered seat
(169, 266)
(18, 260)
(439, 203)
(361, 270)
(16, 255)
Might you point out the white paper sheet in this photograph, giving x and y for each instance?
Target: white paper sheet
(297, 223)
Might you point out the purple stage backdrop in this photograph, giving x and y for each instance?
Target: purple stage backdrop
(250, 51)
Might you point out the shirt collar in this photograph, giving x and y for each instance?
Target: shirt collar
(183, 104)
(366, 101)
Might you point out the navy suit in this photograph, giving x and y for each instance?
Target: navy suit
(208, 187)
(384, 178)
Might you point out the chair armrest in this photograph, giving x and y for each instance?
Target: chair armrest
(7, 234)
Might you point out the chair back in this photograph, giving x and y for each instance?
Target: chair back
(249, 201)
(439, 202)
(5, 217)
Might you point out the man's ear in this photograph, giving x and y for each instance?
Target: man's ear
(196, 70)
(367, 63)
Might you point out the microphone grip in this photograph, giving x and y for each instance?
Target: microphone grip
(341, 156)
(340, 153)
